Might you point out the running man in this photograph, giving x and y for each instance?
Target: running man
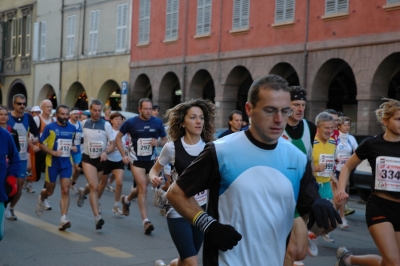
(146, 133)
(23, 123)
(76, 156)
(97, 132)
(57, 141)
(234, 123)
(254, 195)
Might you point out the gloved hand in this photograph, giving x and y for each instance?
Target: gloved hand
(11, 185)
(322, 211)
(223, 236)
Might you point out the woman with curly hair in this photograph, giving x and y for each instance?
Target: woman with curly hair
(382, 211)
(190, 127)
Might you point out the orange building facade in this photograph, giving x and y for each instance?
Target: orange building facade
(346, 53)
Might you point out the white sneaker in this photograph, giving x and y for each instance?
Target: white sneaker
(312, 244)
(116, 210)
(298, 263)
(328, 238)
(81, 197)
(29, 188)
(344, 224)
(9, 213)
(47, 205)
(110, 188)
(160, 263)
(74, 189)
(64, 224)
(159, 198)
(39, 207)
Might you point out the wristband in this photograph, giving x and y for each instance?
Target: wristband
(203, 221)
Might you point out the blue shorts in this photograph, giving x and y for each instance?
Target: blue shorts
(187, 238)
(325, 190)
(22, 169)
(77, 157)
(52, 173)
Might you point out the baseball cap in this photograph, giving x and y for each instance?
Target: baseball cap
(36, 109)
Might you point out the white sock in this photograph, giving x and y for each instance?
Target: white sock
(64, 217)
(116, 203)
(145, 220)
(126, 200)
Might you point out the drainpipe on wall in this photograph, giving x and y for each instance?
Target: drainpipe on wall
(83, 27)
(185, 38)
(61, 50)
(305, 45)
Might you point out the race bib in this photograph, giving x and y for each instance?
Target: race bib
(95, 149)
(23, 144)
(201, 198)
(342, 160)
(327, 159)
(64, 145)
(144, 147)
(387, 173)
(78, 136)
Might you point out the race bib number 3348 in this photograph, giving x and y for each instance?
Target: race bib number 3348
(387, 173)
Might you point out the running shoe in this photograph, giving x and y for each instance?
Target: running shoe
(348, 211)
(74, 189)
(116, 210)
(24, 185)
(81, 197)
(29, 188)
(64, 224)
(148, 227)
(298, 263)
(47, 205)
(160, 263)
(341, 254)
(110, 188)
(39, 207)
(9, 213)
(159, 198)
(125, 207)
(99, 222)
(312, 244)
(344, 224)
(328, 238)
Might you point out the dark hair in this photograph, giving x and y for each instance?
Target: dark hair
(230, 117)
(270, 81)
(61, 106)
(21, 96)
(95, 102)
(116, 114)
(156, 107)
(331, 111)
(145, 100)
(2, 107)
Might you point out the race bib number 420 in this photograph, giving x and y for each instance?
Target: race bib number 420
(144, 147)
(328, 160)
(387, 173)
(95, 149)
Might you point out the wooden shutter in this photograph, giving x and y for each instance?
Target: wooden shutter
(284, 10)
(336, 6)
(207, 17)
(200, 17)
(171, 29)
(28, 31)
(36, 31)
(43, 29)
(144, 21)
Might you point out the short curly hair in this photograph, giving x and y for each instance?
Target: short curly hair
(176, 116)
(386, 110)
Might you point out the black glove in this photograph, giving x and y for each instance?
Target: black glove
(322, 212)
(223, 236)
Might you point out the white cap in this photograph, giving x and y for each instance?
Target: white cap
(36, 109)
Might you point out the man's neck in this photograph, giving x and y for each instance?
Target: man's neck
(73, 122)
(234, 129)
(45, 116)
(292, 122)
(16, 114)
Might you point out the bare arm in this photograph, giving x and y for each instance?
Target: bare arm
(120, 146)
(163, 141)
(51, 152)
(154, 177)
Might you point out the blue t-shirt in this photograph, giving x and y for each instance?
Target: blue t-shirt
(141, 132)
(58, 137)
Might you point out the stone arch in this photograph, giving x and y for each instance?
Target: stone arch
(169, 93)
(386, 79)
(335, 87)
(141, 89)
(286, 71)
(47, 92)
(110, 94)
(77, 97)
(235, 91)
(17, 87)
(202, 86)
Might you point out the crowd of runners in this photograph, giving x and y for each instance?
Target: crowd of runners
(290, 173)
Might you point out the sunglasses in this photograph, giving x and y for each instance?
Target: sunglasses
(20, 103)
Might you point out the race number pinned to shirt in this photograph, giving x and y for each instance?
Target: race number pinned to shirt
(78, 136)
(201, 198)
(95, 149)
(64, 145)
(23, 144)
(342, 160)
(328, 160)
(387, 173)
(144, 147)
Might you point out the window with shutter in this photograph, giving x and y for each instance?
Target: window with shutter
(171, 28)
(19, 37)
(14, 38)
(144, 21)
(393, 2)
(93, 31)
(122, 27)
(203, 25)
(28, 31)
(336, 6)
(241, 12)
(43, 40)
(284, 10)
(36, 41)
(71, 35)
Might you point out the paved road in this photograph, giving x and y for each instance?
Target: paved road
(36, 240)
